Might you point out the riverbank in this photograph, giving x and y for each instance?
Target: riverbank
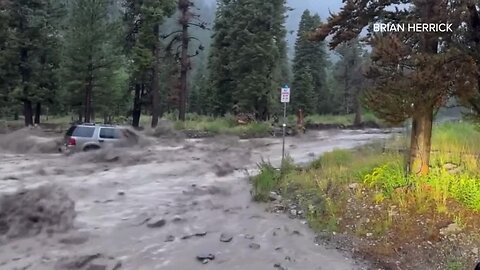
(361, 201)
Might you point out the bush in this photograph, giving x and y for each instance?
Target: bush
(265, 181)
(388, 178)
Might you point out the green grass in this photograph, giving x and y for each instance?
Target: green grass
(265, 181)
(224, 125)
(368, 182)
(456, 265)
(383, 173)
(460, 136)
(338, 119)
(269, 177)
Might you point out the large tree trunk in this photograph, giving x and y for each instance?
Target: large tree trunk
(358, 110)
(137, 107)
(86, 107)
(420, 142)
(28, 112)
(38, 112)
(155, 79)
(87, 113)
(346, 91)
(92, 112)
(184, 6)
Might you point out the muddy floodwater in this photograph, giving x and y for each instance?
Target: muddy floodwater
(162, 206)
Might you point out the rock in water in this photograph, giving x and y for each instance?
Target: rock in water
(88, 262)
(170, 238)
(156, 223)
(33, 211)
(226, 238)
(205, 258)
(254, 246)
(279, 266)
(273, 196)
(249, 237)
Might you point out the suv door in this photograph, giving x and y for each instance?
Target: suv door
(108, 135)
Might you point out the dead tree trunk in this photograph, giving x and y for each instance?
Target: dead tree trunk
(184, 6)
(137, 107)
(38, 112)
(346, 91)
(358, 109)
(86, 107)
(28, 112)
(155, 79)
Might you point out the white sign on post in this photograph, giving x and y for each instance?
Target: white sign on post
(285, 95)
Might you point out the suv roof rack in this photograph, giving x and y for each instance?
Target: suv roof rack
(94, 124)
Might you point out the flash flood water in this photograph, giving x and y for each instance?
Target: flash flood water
(161, 206)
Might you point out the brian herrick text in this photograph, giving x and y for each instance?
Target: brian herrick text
(412, 27)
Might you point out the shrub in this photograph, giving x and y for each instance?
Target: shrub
(265, 181)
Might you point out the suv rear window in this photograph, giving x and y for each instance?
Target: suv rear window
(85, 132)
(109, 133)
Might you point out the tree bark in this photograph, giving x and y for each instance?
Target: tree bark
(38, 112)
(184, 7)
(28, 112)
(92, 111)
(420, 142)
(155, 79)
(137, 107)
(87, 113)
(358, 110)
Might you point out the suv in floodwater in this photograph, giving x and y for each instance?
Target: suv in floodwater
(87, 137)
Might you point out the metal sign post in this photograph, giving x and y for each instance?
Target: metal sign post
(284, 98)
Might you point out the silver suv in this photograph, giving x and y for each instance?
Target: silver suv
(87, 137)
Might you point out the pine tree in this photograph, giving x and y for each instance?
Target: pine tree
(220, 76)
(304, 93)
(91, 56)
(412, 74)
(199, 100)
(30, 49)
(248, 56)
(310, 55)
(143, 47)
(348, 73)
(7, 73)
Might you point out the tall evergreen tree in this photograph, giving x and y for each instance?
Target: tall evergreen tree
(7, 73)
(312, 56)
(143, 46)
(91, 58)
(30, 48)
(220, 76)
(413, 74)
(348, 73)
(304, 95)
(248, 56)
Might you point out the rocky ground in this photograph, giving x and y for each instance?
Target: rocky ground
(170, 204)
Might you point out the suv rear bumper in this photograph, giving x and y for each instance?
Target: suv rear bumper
(66, 149)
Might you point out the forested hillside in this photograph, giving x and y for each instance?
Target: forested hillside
(120, 60)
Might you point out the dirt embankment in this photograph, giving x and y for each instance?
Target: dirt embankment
(389, 236)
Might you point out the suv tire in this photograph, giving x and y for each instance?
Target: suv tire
(91, 148)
